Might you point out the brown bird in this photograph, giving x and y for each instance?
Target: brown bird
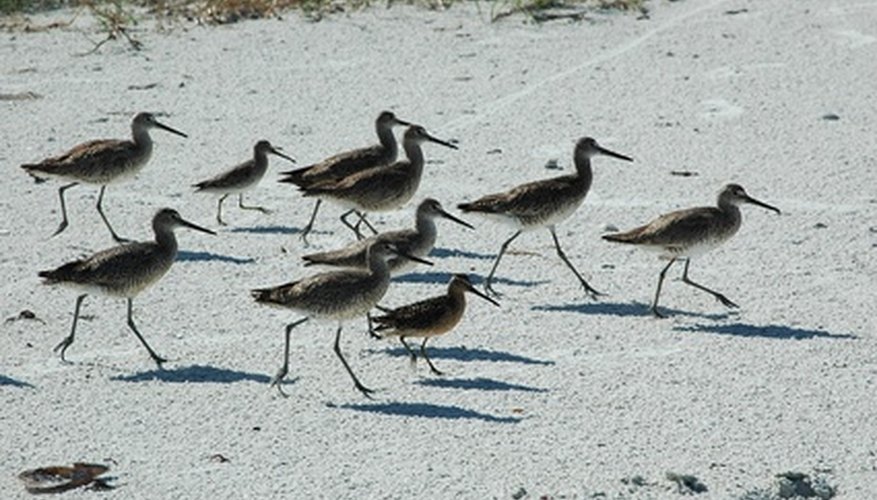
(429, 318)
(687, 233)
(123, 271)
(101, 162)
(543, 203)
(349, 162)
(241, 178)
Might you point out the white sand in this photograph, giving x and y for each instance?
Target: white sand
(554, 393)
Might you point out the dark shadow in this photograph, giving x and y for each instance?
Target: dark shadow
(4, 380)
(766, 331)
(427, 410)
(186, 256)
(444, 253)
(196, 373)
(270, 230)
(478, 384)
(476, 279)
(464, 354)
(627, 309)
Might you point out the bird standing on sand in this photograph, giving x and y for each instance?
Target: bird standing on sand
(349, 162)
(543, 203)
(379, 189)
(241, 178)
(687, 233)
(123, 271)
(429, 318)
(417, 242)
(336, 295)
(101, 162)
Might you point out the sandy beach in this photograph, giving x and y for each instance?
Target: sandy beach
(551, 395)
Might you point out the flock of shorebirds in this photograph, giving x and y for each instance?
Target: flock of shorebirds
(362, 181)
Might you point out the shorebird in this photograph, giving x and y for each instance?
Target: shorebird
(336, 295)
(101, 162)
(379, 189)
(241, 178)
(343, 164)
(543, 203)
(429, 318)
(123, 271)
(417, 242)
(691, 232)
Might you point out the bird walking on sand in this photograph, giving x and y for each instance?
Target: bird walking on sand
(687, 233)
(430, 317)
(336, 295)
(123, 271)
(101, 162)
(379, 189)
(543, 203)
(241, 178)
(417, 242)
(349, 162)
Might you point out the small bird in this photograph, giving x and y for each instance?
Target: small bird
(349, 162)
(687, 233)
(241, 178)
(336, 295)
(379, 189)
(429, 318)
(123, 271)
(543, 203)
(417, 242)
(101, 162)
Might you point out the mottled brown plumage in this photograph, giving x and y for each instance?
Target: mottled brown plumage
(430, 317)
(379, 189)
(337, 295)
(418, 241)
(241, 177)
(349, 162)
(543, 203)
(123, 271)
(691, 232)
(101, 162)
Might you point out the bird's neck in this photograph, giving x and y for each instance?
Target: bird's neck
(165, 238)
(142, 139)
(414, 154)
(388, 142)
(584, 174)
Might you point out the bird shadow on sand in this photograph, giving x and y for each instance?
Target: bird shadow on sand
(765, 331)
(187, 256)
(464, 354)
(477, 384)
(445, 253)
(625, 309)
(426, 410)
(4, 380)
(195, 374)
(476, 280)
(268, 230)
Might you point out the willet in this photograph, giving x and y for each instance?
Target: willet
(379, 189)
(349, 162)
(417, 242)
(123, 271)
(690, 232)
(241, 178)
(543, 203)
(429, 318)
(101, 162)
(336, 295)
